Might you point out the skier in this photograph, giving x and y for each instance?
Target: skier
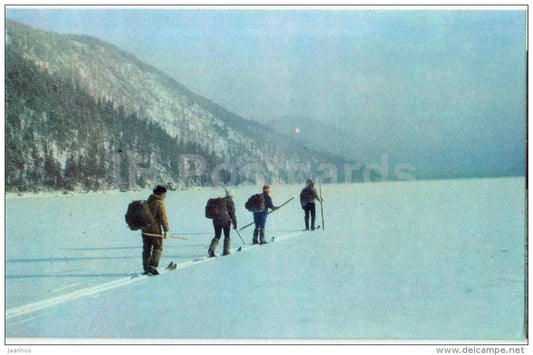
(261, 217)
(307, 199)
(153, 246)
(224, 222)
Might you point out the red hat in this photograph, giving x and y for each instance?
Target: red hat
(266, 188)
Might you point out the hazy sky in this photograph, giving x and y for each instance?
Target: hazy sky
(405, 77)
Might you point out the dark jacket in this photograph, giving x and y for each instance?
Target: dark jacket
(157, 207)
(268, 201)
(225, 219)
(308, 195)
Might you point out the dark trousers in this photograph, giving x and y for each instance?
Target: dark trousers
(310, 209)
(152, 250)
(218, 233)
(219, 229)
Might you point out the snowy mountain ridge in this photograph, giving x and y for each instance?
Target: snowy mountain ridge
(135, 91)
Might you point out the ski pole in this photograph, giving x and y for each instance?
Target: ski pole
(283, 204)
(246, 226)
(176, 237)
(321, 207)
(236, 230)
(239, 234)
(161, 236)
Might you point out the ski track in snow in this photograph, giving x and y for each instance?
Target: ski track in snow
(95, 290)
(60, 289)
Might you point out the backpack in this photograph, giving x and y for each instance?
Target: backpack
(215, 207)
(256, 203)
(307, 195)
(138, 215)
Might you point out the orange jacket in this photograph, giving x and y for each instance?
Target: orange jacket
(157, 207)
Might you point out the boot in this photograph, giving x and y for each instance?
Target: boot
(227, 246)
(212, 247)
(262, 237)
(256, 233)
(306, 223)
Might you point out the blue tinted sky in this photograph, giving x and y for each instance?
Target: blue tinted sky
(415, 80)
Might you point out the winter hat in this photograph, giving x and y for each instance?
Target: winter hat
(266, 188)
(229, 192)
(160, 190)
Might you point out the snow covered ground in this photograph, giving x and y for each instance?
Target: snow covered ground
(421, 260)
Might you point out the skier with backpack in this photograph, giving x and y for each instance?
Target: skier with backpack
(259, 205)
(222, 211)
(153, 246)
(307, 200)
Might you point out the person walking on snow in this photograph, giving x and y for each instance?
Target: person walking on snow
(307, 199)
(261, 217)
(223, 222)
(153, 246)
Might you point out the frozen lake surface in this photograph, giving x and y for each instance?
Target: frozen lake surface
(404, 260)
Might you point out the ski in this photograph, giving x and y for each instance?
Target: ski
(254, 245)
(267, 241)
(155, 272)
(172, 266)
